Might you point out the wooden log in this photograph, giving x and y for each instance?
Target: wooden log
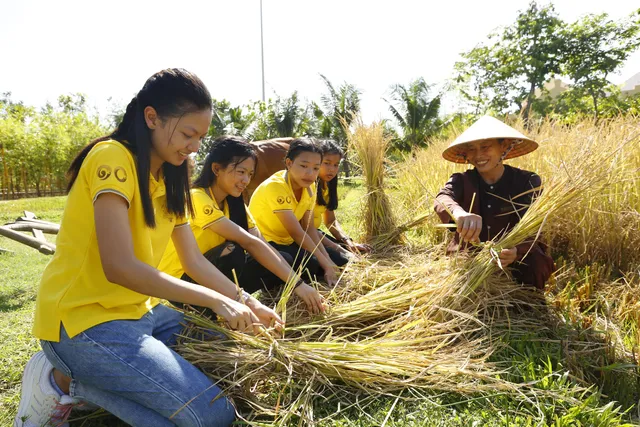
(38, 234)
(36, 221)
(44, 247)
(29, 226)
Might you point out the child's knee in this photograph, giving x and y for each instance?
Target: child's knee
(206, 413)
(221, 414)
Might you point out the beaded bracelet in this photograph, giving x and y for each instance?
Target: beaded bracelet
(242, 296)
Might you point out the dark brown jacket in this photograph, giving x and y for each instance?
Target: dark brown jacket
(500, 205)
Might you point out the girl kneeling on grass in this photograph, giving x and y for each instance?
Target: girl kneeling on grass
(327, 203)
(105, 336)
(283, 209)
(224, 229)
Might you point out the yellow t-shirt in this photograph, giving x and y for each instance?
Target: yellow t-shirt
(207, 213)
(275, 195)
(73, 289)
(319, 210)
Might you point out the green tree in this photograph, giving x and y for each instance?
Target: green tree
(416, 113)
(531, 51)
(281, 117)
(228, 120)
(341, 106)
(596, 47)
(481, 80)
(517, 63)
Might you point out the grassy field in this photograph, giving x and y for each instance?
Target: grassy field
(579, 347)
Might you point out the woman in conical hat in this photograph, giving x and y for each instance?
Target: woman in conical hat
(487, 201)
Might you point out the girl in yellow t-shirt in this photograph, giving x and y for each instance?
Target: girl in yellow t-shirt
(105, 338)
(224, 229)
(327, 203)
(283, 209)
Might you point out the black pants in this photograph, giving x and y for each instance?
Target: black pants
(300, 260)
(252, 276)
(338, 258)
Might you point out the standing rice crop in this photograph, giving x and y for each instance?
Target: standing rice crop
(370, 145)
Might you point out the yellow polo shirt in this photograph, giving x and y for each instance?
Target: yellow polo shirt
(275, 195)
(319, 210)
(207, 213)
(73, 289)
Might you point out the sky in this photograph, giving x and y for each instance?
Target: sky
(108, 49)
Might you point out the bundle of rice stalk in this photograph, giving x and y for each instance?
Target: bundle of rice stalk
(370, 145)
(397, 334)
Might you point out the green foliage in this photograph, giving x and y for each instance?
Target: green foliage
(37, 147)
(530, 51)
(281, 117)
(595, 47)
(416, 114)
(341, 106)
(228, 120)
(573, 105)
(478, 79)
(504, 75)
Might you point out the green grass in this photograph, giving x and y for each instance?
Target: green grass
(540, 357)
(20, 270)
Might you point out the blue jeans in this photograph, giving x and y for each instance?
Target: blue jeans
(127, 368)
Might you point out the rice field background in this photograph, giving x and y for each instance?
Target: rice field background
(418, 339)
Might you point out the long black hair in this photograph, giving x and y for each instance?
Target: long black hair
(173, 92)
(227, 150)
(329, 147)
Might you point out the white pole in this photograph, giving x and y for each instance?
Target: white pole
(262, 50)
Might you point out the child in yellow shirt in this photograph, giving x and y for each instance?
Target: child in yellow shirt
(105, 337)
(283, 209)
(327, 204)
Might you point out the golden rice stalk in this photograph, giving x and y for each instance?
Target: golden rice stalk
(370, 145)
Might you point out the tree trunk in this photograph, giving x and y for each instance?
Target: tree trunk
(5, 177)
(347, 165)
(595, 106)
(527, 110)
(13, 192)
(24, 181)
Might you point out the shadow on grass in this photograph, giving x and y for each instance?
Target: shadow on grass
(13, 299)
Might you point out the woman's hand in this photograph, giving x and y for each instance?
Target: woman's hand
(239, 316)
(311, 298)
(469, 226)
(330, 274)
(508, 256)
(363, 247)
(265, 315)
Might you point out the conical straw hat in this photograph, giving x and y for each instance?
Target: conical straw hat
(485, 128)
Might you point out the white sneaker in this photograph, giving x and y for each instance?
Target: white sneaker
(40, 403)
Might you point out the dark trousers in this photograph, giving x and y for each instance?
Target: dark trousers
(535, 269)
(251, 275)
(300, 260)
(337, 257)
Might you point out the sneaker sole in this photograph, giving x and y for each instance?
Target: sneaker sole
(27, 390)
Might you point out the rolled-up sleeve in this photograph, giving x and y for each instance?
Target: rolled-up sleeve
(449, 198)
